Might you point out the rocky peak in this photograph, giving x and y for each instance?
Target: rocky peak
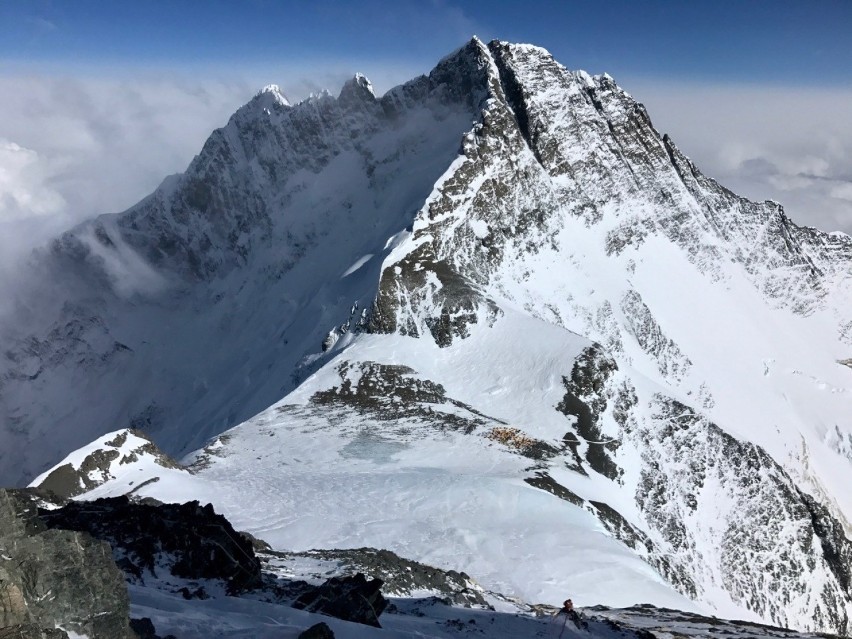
(270, 96)
(594, 153)
(356, 90)
(464, 78)
(114, 454)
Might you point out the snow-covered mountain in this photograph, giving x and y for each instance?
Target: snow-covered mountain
(515, 330)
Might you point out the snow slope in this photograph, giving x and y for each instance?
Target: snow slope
(426, 617)
(516, 332)
(427, 483)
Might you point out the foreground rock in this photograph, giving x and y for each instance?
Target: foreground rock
(319, 631)
(190, 541)
(348, 598)
(144, 629)
(53, 579)
(400, 577)
(57, 583)
(31, 631)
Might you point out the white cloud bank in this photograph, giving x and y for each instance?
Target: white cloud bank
(22, 184)
(74, 147)
(78, 147)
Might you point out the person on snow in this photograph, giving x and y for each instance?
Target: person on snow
(569, 612)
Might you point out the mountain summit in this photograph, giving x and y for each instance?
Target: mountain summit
(492, 320)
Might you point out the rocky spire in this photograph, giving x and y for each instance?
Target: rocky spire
(358, 89)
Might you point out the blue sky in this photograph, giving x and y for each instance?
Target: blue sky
(780, 41)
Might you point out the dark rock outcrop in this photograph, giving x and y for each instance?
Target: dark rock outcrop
(402, 577)
(318, 631)
(585, 401)
(387, 392)
(348, 598)
(56, 578)
(189, 540)
(545, 482)
(31, 631)
(144, 629)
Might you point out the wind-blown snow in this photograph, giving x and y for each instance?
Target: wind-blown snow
(358, 264)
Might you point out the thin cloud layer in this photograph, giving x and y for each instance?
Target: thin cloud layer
(99, 145)
(792, 145)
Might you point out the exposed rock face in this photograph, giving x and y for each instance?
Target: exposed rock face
(728, 506)
(585, 401)
(116, 452)
(56, 578)
(349, 598)
(396, 393)
(553, 143)
(671, 362)
(31, 632)
(318, 631)
(188, 540)
(402, 577)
